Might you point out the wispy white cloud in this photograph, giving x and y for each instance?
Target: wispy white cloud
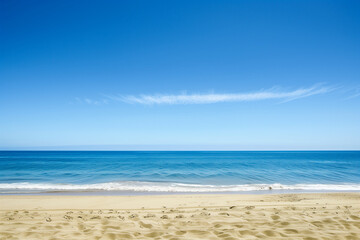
(91, 101)
(224, 97)
(355, 93)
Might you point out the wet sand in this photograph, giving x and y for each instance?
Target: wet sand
(223, 216)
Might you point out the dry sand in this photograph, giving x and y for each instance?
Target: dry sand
(288, 216)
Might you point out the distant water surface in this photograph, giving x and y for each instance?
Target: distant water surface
(178, 171)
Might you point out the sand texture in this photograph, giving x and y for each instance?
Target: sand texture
(287, 216)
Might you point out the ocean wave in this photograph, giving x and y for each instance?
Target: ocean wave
(136, 186)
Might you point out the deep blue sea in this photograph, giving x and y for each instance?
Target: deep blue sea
(182, 171)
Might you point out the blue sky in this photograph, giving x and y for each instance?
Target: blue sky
(240, 75)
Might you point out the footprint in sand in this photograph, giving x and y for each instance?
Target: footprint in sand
(224, 214)
(239, 226)
(145, 225)
(117, 236)
(180, 232)
(269, 233)
(111, 228)
(149, 215)
(154, 234)
(224, 235)
(81, 227)
(246, 232)
(105, 222)
(203, 214)
(133, 216)
(67, 217)
(218, 225)
(199, 232)
(291, 231)
(249, 207)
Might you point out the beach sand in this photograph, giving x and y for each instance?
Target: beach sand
(224, 216)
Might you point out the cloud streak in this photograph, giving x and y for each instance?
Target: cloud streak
(91, 101)
(285, 96)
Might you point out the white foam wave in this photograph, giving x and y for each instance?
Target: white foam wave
(173, 187)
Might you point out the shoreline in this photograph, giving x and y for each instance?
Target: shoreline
(192, 216)
(151, 193)
(41, 201)
(87, 201)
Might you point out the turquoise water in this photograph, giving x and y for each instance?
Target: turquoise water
(171, 171)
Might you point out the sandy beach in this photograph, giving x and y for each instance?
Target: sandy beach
(225, 216)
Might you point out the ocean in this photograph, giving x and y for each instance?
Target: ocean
(158, 172)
